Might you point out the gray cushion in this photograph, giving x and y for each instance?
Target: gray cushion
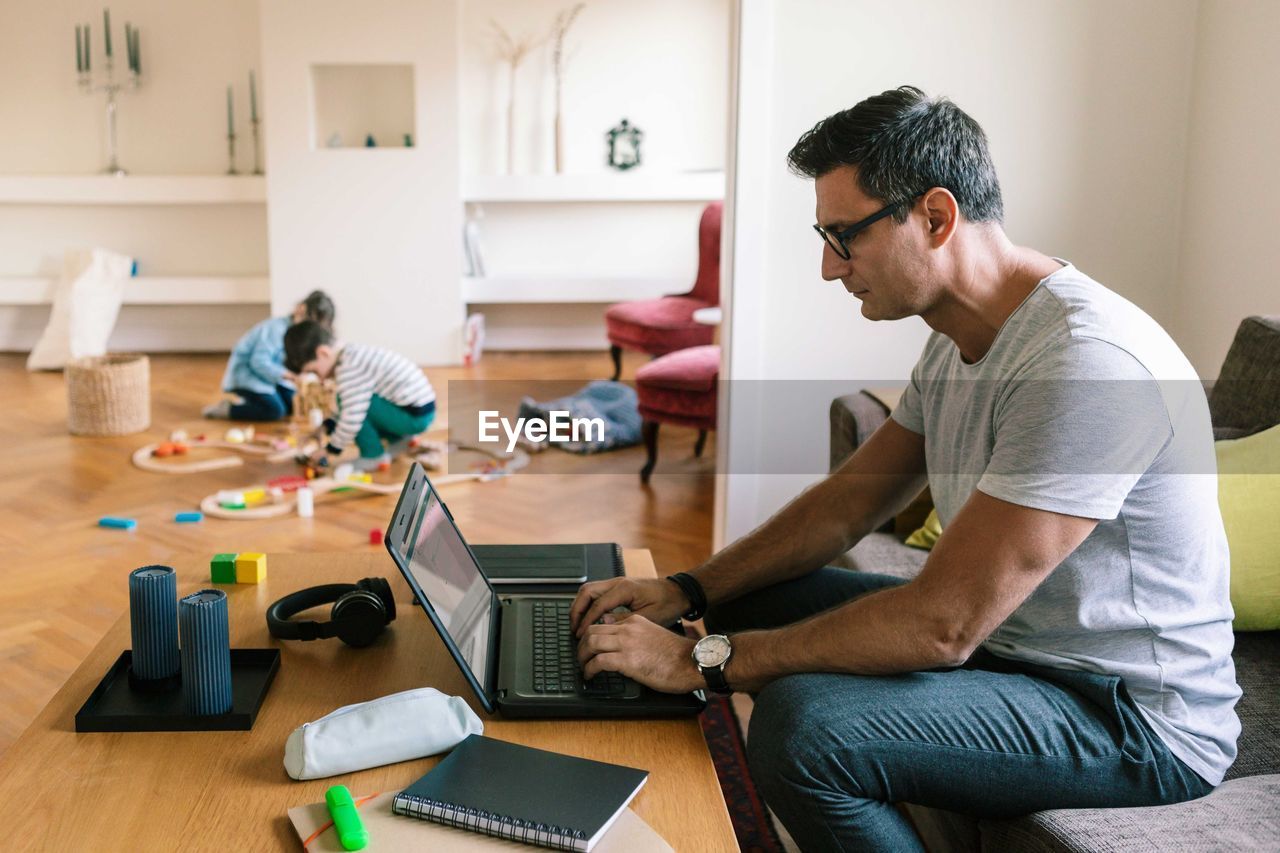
(1257, 658)
(853, 418)
(1246, 397)
(884, 553)
(1243, 814)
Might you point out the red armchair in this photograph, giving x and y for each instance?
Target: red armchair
(663, 325)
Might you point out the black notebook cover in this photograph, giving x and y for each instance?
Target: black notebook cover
(522, 793)
(596, 560)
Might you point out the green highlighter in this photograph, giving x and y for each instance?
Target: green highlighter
(346, 818)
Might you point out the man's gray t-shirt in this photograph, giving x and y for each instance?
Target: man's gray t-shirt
(1084, 406)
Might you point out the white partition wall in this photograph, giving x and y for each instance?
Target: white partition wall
(378, 228)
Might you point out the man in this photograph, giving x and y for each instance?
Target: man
(1067, 643)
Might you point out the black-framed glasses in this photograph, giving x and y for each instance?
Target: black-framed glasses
(837, 239)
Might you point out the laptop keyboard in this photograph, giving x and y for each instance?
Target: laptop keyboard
(555, 658)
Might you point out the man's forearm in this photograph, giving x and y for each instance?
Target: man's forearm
(807, 533)
(826, 520)
(885, 632)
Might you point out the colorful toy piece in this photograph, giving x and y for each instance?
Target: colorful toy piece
(189, 517)
(375, 536)
(118, 523)
(235, 435)
(254, 496)
(251, 568)
(223, 568)
(289, 483)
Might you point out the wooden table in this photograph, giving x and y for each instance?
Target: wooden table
(229, 791)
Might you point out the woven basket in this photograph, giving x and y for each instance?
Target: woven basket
(109, 395)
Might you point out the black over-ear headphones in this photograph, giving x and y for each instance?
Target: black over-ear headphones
(361, 611)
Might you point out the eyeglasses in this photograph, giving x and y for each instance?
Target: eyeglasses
(837, 239)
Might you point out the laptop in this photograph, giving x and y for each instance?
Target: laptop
(517, 652)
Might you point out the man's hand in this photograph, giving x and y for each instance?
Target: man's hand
(656, 599)
(641, 650)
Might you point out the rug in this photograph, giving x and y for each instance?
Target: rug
(752, 822)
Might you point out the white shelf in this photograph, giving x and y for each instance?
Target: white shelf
(550, 290)
(177, 290)
(637, 185)
(133, 189)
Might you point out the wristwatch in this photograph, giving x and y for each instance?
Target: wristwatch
(710, 654)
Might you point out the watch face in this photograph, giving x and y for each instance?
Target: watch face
(712, 651)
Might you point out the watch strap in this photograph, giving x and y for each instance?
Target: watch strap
(715, 679)
(693, 591)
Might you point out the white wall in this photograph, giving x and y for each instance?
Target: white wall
(661, 64)
(1085, 103)
(175, 124)
(1229, 251)
(380, 228)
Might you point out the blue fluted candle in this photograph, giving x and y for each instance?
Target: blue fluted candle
(206, 652)
(137, 53)
(106, 26)
(153, 622)
(253, 98)
(79, 52)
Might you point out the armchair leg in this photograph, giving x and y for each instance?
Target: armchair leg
(702, 442)
(649, 432)
(615, 352)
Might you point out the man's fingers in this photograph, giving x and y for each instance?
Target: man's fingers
(606, 662)
(611, 598)
(598, 639)
(587, 593)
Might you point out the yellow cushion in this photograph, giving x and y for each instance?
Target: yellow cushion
(1249, 496)
(928, 533)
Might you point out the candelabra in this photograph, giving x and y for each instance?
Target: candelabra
(112, 88)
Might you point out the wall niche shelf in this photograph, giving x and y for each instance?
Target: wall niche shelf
(133, 189)
(151, 290)
(353, 102)
(603, 187)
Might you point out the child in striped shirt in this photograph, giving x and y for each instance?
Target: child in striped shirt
(382, 396)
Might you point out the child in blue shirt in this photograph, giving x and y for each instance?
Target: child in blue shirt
(256, 372)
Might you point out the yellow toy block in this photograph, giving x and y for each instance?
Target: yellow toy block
(362, 478)
(251, 568)
(254, 496)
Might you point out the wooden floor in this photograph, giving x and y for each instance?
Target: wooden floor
(64, 578)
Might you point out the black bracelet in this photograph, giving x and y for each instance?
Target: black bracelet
(694, 592)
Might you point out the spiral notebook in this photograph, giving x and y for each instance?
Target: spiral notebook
(391, 833)
(522, 794)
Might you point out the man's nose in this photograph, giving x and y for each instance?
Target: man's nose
(833, 266)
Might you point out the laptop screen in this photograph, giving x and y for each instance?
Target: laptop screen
(448, 575)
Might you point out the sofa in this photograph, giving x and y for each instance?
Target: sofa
(1243, 813)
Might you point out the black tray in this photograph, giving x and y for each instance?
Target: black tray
(115, 707)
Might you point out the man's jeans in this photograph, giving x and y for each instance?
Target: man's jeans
(993, 738)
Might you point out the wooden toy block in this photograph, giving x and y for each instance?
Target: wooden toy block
(384, 466)
(375, 536)
(223, 568)
(118, 523)
(254, 496)
(251, 568)
(189, 517)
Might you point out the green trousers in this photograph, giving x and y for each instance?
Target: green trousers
(385, 421)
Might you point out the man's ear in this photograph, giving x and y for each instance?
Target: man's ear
(324, 351)
(943, 215)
